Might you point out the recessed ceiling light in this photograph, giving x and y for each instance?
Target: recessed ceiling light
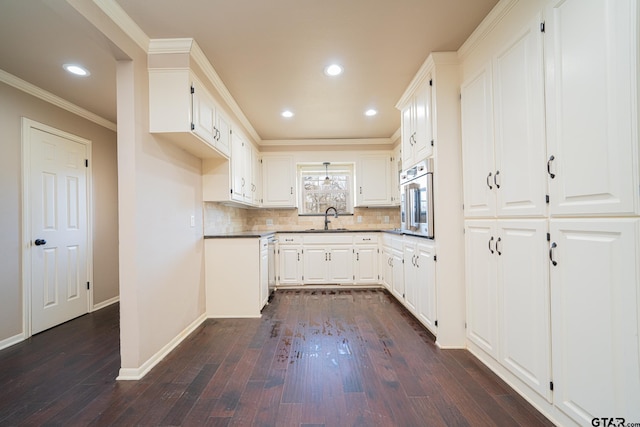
(76, 69)
(288, 114)
(333, 70)
(370, 112)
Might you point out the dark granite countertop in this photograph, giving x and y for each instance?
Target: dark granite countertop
(260, 234)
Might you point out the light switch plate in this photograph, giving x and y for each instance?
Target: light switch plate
(193, 221)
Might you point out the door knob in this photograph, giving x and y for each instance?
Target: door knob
(40, 242)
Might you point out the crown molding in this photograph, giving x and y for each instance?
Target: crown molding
(324, 142)
(117, 14)
(164, 46)
(496, 15)
(42, 94)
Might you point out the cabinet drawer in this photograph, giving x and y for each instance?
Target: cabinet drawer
(289, 239)
(365, 239)
(330, 238)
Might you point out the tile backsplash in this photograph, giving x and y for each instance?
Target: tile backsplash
(220, 218)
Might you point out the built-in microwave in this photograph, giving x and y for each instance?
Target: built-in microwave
(416, 206)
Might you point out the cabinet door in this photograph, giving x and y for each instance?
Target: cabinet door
(341, 264)
(237, 168)
(423, 122)
(223, 134)
(366, 264)
(518, 84)
(477, 146)
(290, 271)
(256, 177)
(247, 179)
(396, 168)
(264, 272)
(523, 292)
(481, 282)
(591, 55)
(316, 264)
(410, 277)
(203, 114)
(408, 134)
(398, 274)
(278, 174)
(374, 180)
(386, 259)
(594, 318)
(426, 281)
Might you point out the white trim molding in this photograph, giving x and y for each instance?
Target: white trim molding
(117, 14)
(325, 142)
(8, 342)
(42, 94)
(134, 374)
(106, 303)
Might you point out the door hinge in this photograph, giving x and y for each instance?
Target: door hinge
(88, 286)
(86, 163)
(231, 190)
(430, 82)
(548, 237)
(193, 127)
(435, 323)
(546, 198)
(435, 257)
(465, 325)
(542, 27)
(193, 89)
(432, 142)
(551, 385)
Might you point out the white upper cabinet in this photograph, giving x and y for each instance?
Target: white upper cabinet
(594, 317)
(374, 179)
(518, 88)
(503, 131)
(591, 54)
(181, 109)
(417, 126)
(477, 145)
(278, 181)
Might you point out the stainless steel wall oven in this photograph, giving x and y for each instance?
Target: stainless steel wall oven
(416, 190)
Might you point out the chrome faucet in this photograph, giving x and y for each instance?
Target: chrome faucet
(326, 221)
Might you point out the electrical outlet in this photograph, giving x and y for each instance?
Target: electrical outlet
(359, 219)
(386, 219)
(269, 221)
(193, 221)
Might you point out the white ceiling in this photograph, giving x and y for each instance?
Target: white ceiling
(270, 54)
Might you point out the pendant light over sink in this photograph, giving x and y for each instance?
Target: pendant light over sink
(327, 181)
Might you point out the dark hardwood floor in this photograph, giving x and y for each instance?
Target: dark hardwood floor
(316, 358)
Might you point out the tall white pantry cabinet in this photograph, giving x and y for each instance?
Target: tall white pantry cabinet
(549, 106)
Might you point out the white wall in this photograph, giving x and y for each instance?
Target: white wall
(15, 104)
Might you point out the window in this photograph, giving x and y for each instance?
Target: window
(317, 193)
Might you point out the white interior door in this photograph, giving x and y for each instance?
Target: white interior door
(59, 231)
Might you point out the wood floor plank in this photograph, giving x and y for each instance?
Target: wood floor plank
(324, 357)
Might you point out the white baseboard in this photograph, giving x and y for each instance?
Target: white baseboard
(8, 342)
(106, 303)
(134, 374)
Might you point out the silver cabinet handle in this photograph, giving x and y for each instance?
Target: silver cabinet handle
(291, 190)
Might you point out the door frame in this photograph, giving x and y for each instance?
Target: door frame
(27, 126)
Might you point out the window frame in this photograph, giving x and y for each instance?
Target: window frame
(318, 169)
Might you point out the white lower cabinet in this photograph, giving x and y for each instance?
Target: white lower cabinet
(366, 253)
(508, 296)
(595, 295)
(264, 271)
(482, 285)
(235, 292)
(426, 279)
(328, 265)
(289, 260)
(410, 277)
(397, 288)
